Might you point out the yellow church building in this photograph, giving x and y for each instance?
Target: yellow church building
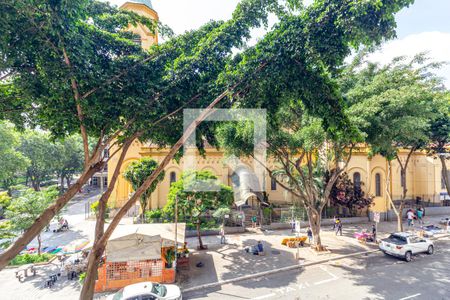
(423, 179)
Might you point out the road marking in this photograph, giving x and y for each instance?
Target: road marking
(264, 296)
(333, 277)
(412, 296)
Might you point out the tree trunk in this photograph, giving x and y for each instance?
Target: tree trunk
(68, 180)
(87, 291)
(314, 222)
(399, 214)
(445, 173)
(62, 182)
(200, 243)
(45, 218)
(39, 244)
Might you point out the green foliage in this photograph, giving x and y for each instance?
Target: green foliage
(137, 172)
(41, 152)
(25, 209)
(12, 162)
(5, 200)
(394, 105)
(193, 201)
(69, 157)
(154, 215)
(82, 277)
(25, 259)
(221, 212)
(94, 206)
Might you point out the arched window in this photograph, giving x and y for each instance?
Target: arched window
(173, 177)
(357, 180)
(273, 184)
(378, 185)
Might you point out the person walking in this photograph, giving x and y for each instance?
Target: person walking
(338, 226)
(310, 235)
(410, 217)
(374, 233)
(419, 213)
(222, 235)
(254, 219)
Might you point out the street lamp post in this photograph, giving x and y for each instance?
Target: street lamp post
(176, 230)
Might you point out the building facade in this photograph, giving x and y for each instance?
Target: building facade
(423, 179)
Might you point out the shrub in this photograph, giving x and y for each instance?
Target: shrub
(25, 259)
(153, 215)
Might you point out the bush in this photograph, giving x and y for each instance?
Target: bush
(153, 215)
(94, 209)
(25, 259)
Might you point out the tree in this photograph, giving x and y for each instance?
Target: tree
(394, 107)
(439, 136)
(348, 194)
(5, 201)
(193, 201)
(136, 173)
(308, 159)
(24, 210)
(12, 162)
(68, 159)
(41, 152)
(183, 71)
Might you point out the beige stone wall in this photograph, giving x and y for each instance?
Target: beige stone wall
(148, 38)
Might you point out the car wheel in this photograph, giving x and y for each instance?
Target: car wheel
(408, 256)
(430, 250)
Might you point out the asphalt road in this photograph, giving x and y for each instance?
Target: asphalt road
(375, 276)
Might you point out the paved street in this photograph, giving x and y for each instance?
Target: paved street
(372, 277)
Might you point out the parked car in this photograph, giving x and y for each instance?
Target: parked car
(148, 291)
(405, 245)
(431, 230)
(444, 221)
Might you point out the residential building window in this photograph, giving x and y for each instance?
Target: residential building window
(378, 185)
(95, 181)
(273, 184)
(357, 179)
(105, 181)
(173, 177)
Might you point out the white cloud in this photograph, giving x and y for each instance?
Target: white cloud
(436, 44)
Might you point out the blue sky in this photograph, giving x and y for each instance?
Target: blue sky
(423, 27)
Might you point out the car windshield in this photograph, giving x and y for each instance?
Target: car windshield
(396, 239)
(159, 290)
(118, 295)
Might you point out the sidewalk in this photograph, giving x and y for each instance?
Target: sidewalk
(230, 261)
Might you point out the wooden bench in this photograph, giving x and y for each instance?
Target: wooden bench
(22, 272)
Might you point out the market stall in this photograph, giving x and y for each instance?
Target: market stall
(137, 253)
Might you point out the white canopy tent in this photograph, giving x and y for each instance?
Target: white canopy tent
(142, 241)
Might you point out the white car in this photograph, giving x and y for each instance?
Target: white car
(148, 291)
(405, 245)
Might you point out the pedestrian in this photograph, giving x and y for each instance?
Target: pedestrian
(420, 215)
(374, 233)
(334, 223)
(338, 226)
(292, 225)
(310, 235)
(410, 217)
(222, 235)
(254, 219)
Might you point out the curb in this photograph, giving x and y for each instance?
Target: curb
(289, 268)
